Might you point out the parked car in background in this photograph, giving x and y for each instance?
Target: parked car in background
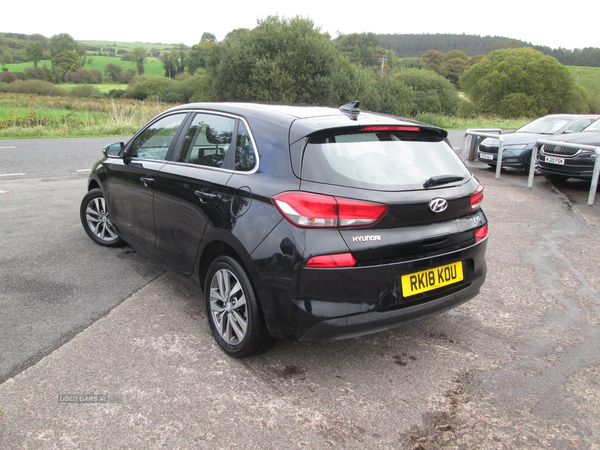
(297, 222)
(518, 145)
(558, 162)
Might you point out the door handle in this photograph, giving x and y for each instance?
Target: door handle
(206, 195)
(147, 181)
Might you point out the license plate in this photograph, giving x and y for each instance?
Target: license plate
(486, 156)
(431, 279)
(553, 160)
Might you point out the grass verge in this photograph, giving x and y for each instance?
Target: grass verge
(32, 116)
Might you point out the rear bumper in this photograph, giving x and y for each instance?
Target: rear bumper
(572, 168)
(374, 322)
(510, 158)
(354, 302)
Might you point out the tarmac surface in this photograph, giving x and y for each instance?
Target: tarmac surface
(516, 367)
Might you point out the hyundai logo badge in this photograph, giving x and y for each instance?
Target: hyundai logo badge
(437, 205)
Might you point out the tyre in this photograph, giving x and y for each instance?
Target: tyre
(96, 220)
(232, 309)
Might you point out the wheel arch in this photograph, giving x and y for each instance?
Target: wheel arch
(218, 248)
(93, 184)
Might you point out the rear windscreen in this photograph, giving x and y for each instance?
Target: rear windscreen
(383, 160)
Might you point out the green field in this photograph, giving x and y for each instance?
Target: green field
(105, 88)
(128, 45)
(153, 66)
(588, 77)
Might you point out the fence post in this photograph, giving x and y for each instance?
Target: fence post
(500, 151)
(532, 161)
(485, 133)
(595, 175)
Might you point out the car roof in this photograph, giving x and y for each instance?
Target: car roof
(306, 119)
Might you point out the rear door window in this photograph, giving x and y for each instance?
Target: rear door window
(382, 160)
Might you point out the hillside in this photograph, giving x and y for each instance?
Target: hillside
(414, 45)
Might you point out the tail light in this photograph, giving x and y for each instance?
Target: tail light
(481, 233)
(306, 210)
(477, 197)
(331, 261)
(389, 128)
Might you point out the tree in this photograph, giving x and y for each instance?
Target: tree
(208, 37)
(433, 59)
(521, 82)
(475, 59)
(169, 61)
(114, 71)
(139, 57)
(433, 93)
(389, 96)
(60, 43)
(281, 60)
(181, 54)
(198, 56)
(117, 75)
(457, 54)
(6, 57)
(453, 68)
(35, 52)
(364, 49)
(65, 62)
(237, 32)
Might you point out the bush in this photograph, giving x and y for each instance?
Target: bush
(84, 76)
(116, 74)
(38, 87)
(38, 73)
(433, 93)
(127, 76)
(117, 93)
(146, 86)
(412, 92)
(8, 77)
(389, 96)
(522, 83)
(85, 91)
(187, 89)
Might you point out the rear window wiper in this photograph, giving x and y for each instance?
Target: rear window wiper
(441, 179)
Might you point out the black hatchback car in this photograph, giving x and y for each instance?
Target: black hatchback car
(297, 222)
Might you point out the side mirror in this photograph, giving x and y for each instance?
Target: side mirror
(114, 150)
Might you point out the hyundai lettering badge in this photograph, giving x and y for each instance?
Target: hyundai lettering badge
(437, 205)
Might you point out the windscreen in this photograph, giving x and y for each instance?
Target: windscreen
(382, 160)
(595, 127)
(544, 125)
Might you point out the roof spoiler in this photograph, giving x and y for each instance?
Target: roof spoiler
(351, 109)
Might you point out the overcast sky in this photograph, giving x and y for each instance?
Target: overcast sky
(174, 22)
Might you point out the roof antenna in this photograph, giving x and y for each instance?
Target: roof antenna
(351, 109)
